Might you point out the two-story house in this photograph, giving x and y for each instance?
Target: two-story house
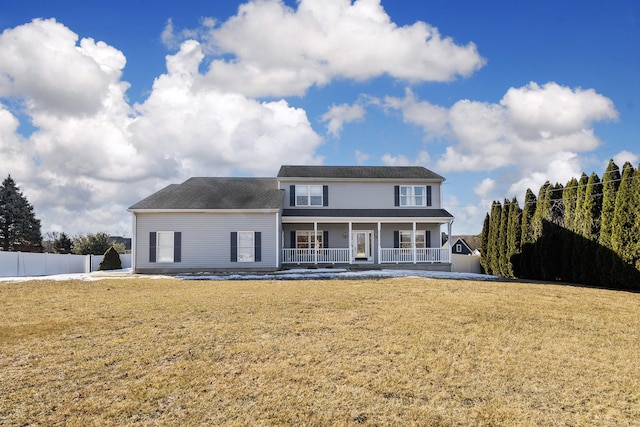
(307, 215)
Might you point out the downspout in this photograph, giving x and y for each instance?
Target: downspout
(315, 242)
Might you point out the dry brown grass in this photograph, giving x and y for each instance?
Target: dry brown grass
(373, 352)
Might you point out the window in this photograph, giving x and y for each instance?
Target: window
(165, 246)
(412, 195)
(304, 240)
(246, 248)
(309, 195)
(459, 248)
(405, 239)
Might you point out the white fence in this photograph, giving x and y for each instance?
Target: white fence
(466, 264)
(24, 264)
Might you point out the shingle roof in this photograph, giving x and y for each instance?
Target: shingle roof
(216, 193)
(389, 172)
(368, 213)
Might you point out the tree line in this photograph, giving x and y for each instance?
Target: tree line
(587, 231)
(20, 229)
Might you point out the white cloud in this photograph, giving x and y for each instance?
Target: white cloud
(432, 118)
(536, 131)
(423, 159)
(622, 157)
(338, 115)
(485, 189)
(91, 154)
(278, 51)
(361, 157)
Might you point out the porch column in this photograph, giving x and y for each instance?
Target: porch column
(450, 242)
(413, 242)
(315, 242)
(350, 249)
(379, 245)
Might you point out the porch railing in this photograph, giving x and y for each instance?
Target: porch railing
(405, 255)
(311, 256)
(342, 256)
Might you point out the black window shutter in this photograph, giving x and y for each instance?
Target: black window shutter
(325, 195)
(396, 239)
(152, 246)
(428, 195)
(257, 246)
(234, 246)
(292, 195)
(325, 239)
(294, 243)
(396, 193)
(177, 246)
(427, 239)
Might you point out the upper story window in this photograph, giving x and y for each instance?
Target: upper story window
(309, 195)
(413, 195)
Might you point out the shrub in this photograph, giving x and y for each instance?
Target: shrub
(110, 260)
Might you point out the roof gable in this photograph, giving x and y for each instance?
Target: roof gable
(216, 193)
(358, 172)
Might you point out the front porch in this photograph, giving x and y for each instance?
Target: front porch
(387, 243)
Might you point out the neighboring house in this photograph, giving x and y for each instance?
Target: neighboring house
(307, 215)
(461, 245)
(124, 241)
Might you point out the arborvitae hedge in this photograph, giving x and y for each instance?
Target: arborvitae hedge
(110, 260)
(586, 232)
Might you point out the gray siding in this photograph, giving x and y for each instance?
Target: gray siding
(362, 195)
(206, 239)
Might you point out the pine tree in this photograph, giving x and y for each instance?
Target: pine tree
(513, 236)
(19, 228)
(579, 216)
(624, 216)
(63, 244)
(494, 235)
(543, 209)
(610, 185)
(592, 208)
(569, 199)
(484, 241)
(503, 259)
(528, 210)
(525, 262)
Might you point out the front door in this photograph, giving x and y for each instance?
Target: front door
(362, 246)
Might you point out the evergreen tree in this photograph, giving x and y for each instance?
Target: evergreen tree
(484, 241)
(556, 212)
(513, 236)
(528, 210)
(503, 259)
(19, 228)
(110, 260)
(592, 208)
(543, 209)
(494, 235)
(63, 244)
(578, 247)
(610, 185)
(569, 199)
(525, 261)
(624, 216)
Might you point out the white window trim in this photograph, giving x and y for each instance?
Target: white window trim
(309, 196)
(161, 255)
(410, 198)
(458, 247)
(252, 253)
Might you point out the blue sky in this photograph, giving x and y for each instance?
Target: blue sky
(102, 103)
